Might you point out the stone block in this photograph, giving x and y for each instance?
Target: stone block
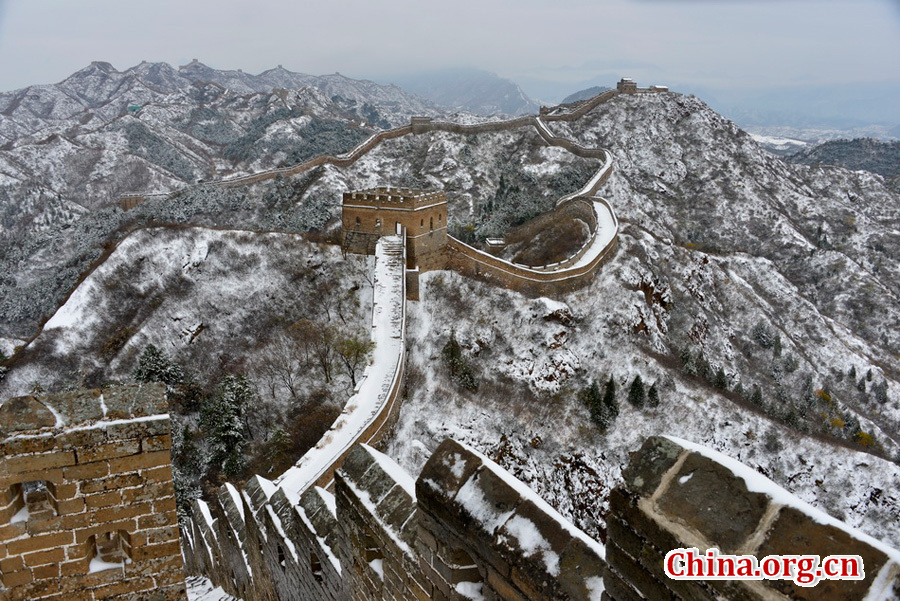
(39, 461)
(24, 413)
(648, 465)
(396, 508)
(31, 444)
(82, 439)
(579, 568)
(708, 498)
(119, 448)
(795, 533)
(86, 471)
(139, 462)
(39, 542)
(103, 499)
(156, 443)
(636, 575)
(448, 468)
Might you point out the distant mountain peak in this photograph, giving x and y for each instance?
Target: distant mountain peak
(473, 90)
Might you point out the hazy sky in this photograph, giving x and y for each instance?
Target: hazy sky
(712, 43)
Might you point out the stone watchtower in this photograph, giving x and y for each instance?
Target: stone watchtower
(627, 85)
(367, 215)
(87, 502)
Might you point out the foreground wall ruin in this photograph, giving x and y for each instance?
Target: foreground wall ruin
(87, 503)
(467, 529)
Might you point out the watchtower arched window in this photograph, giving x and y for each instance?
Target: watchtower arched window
(358, 222)
(431, 223)
(378, 223)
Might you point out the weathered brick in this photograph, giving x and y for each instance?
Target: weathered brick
(85, 471)
(148, 492)
(63, 490)
(104, 499)
(71, 506)
(119, 448)
(30, 444)
(166, 504)
(113, 482)
(504, 588)
(39, 461)
(39, 543)
(46, 571)
(120, 512)
(73, 568)
(81, 439)
(131, 585)
(12, 564)
(155, 536)
(46, 522)
(156, 520)
(11, 531)
(139, 462)
(157, 474)
(154, 551)
(84, 534)
(12, 579)
(156, 443)
(142, 429)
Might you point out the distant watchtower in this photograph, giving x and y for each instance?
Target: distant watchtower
(626, 85)
(367, 215)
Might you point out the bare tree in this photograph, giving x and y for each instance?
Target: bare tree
(352, 352)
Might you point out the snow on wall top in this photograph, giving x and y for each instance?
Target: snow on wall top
(373, 391)
(758, 483)
(82, 409)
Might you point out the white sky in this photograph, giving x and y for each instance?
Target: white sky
(712, 43)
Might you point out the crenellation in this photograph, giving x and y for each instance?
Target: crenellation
(78, 481)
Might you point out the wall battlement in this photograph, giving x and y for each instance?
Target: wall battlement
(397, 198)
(467, 529)
(87, 502)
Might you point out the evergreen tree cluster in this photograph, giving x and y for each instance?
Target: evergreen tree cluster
(460, 368)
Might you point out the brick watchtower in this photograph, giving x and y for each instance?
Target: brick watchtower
(87, 502)
(367, 215)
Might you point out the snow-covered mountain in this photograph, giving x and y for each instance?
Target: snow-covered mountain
(80, 144)
(760, 297)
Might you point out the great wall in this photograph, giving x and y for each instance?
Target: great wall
(346, 522)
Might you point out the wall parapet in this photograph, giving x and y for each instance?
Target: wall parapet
(87, 501)
(467, 529)
(568, 275)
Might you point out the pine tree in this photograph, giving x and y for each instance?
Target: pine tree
(653, 395)
(224, 420)
(636, 394)
(720, 380)
(592, 399)
(460, 369)
(154, 366)
(756, 396)
(609, 395)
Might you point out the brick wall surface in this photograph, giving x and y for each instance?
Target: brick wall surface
(86, 477)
